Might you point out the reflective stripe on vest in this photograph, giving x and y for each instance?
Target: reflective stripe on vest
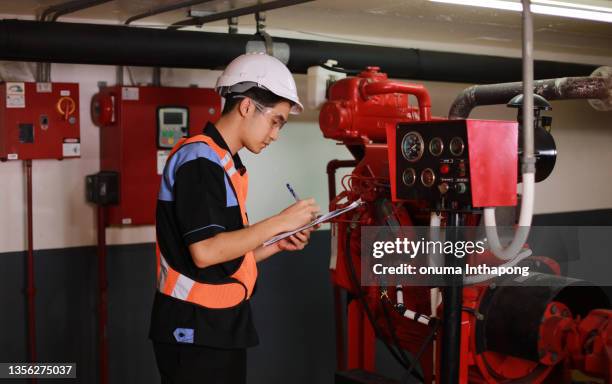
(224, 295)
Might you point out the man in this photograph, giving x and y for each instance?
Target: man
(201, 321)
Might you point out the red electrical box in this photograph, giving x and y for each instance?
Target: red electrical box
(138, 128)
(39, 121)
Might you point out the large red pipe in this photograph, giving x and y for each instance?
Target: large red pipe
(386, 87)
(102, 301)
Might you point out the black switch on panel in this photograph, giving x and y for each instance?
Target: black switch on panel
(102, 188)
(44, 122)
(26, 133)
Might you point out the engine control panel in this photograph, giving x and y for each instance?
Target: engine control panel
(456, 164)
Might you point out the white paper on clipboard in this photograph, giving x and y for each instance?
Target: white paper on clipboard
(321, 219)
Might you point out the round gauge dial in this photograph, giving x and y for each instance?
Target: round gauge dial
(409, 177)
(436, 146)
(428, 177)
(413, 146)
(457, 146)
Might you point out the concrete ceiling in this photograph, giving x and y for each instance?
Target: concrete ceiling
(415, 23)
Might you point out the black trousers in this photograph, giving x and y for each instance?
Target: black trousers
(191, 364)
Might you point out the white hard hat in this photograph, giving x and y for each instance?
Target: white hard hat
(259, 70)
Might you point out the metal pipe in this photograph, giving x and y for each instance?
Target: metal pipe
(232, 25)
(332, 166)
(156, 77)
(452, 303)
(528, 148)
(53, 12)
(49, 11)
(77, 43)
(594, 87)
(102, 296)
(31, 289)
(199, 21)
(119, 75)
(164, 9)
(78, 7)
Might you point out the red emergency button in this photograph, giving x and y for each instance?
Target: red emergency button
(444, 169)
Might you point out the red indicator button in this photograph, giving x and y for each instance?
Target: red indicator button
(444, 169)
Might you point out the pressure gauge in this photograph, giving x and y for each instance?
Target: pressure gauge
(436, 146)
(413, 146)
(457, 146)
(428, 177)
(409, 177)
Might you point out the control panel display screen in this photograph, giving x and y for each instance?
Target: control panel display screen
(173, 118)
(172, 125)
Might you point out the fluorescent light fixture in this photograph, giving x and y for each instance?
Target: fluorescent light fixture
(544, 7)
(566, 4)
(497, 4)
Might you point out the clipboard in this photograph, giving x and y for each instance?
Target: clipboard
(319, 220)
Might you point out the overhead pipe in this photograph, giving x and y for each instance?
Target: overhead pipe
(262, 7)
(54, 12)
(78, 43)
(78, 7)
(596, 87)
(164, 9)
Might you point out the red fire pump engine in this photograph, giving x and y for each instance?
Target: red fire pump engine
(414, 169)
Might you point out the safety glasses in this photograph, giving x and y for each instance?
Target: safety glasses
(276, 121)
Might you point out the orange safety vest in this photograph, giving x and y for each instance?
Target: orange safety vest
(219, 295)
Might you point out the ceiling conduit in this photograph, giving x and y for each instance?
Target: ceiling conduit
(121, 45)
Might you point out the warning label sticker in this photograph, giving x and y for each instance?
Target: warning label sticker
(71, 149)
(44, 88)
(15, 95)
(130, 93)
(162, 157)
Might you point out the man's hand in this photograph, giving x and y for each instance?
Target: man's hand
(298, 214)
(295, 242)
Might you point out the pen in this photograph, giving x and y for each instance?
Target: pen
(295, 196)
